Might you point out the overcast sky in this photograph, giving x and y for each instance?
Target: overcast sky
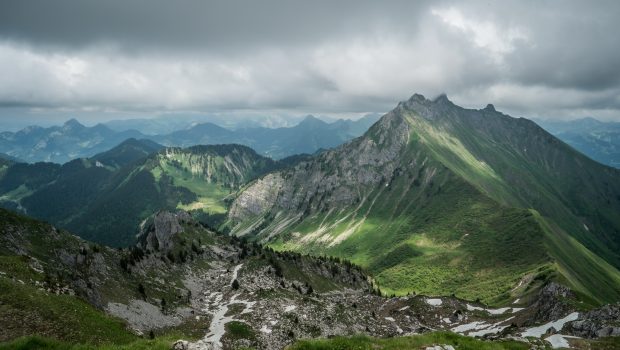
(121, 58)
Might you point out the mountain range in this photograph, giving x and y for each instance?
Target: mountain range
(449, 211)
(60, 144)
(598, 140)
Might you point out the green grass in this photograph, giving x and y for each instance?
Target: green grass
(441, 239)
(404, 343)
(211, 195)
(579, 267)
(609, 343)
(26, 310)
(36, 342)
(239, 330)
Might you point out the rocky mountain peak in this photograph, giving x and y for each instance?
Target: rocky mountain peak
(310, 121)
(73, 124)
(489, 108)
(442, 99)
(418, 98)
(428, 109)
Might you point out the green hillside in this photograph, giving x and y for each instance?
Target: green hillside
(61, 291)
(441, 200)
(105, 198)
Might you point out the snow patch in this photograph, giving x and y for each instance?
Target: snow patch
(469, 326)
(434, 302)
(290, 308)
(559, 340)
(537, 332)
(499, 311)
(492, 329)
(472, 308)
(235, 273)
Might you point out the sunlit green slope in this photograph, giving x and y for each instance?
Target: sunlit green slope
(437, 199)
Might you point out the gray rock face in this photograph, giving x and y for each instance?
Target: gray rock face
(551, 304)
(259, 197)
(428, 109)
(334, 179)
(180, 345)
(601, 322)
(157, 232)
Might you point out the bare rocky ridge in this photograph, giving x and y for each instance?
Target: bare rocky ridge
(334, 179)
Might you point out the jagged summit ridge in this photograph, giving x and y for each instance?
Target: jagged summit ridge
(428, 109)
(439, 107)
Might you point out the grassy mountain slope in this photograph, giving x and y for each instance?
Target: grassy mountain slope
(530, 169)
(34, 298)
(105, 198)
(435, 199)
(127, 152)
(198, 179)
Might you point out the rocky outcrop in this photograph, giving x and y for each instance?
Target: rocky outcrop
(157, 231)
(552, 302)
(258, 198)
(601, 322)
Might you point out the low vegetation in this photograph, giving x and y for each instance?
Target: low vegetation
(405, 343)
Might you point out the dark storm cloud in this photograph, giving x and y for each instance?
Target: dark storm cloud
(193, 24)
(533, 58)
(576, 46)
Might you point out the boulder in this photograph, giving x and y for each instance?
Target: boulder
(180, 345)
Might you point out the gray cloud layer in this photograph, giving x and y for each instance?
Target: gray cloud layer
(555, 59)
